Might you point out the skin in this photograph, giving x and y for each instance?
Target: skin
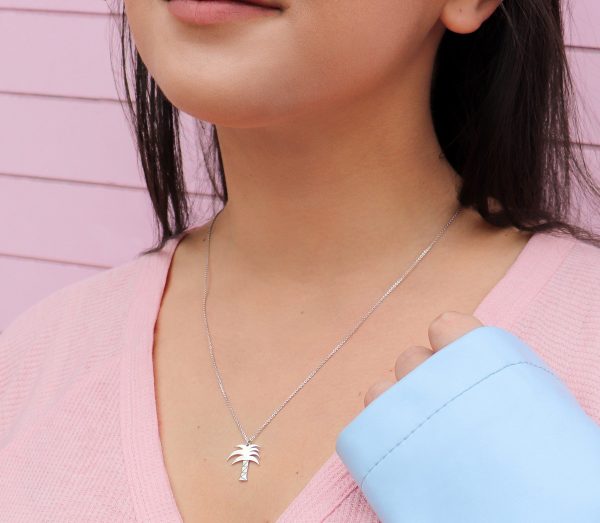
(443, 330)
(335, 185)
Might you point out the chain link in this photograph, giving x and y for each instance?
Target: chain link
(340, 344)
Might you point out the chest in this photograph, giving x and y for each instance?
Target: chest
(259, 372)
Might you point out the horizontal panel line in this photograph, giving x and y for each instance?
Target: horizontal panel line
(108, 185)
(53, 261)
(585, 48)
(586, 144)
(74, 12)
(591, 145)
(78, 98)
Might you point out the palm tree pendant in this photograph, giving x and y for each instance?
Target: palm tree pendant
(245, 453)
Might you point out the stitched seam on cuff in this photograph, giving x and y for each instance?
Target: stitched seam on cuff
(418, 426)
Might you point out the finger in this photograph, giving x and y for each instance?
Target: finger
(450, 326)
(376, 389)
(410, 359)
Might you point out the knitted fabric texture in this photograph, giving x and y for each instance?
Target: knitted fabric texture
(79, 436)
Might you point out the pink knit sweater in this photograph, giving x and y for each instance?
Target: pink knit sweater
(79, 438)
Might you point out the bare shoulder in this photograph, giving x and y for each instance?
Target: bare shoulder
(187, 261)
(192, 244)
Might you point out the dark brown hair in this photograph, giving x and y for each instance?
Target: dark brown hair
(501, 101)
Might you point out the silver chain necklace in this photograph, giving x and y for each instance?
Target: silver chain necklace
(249, 451)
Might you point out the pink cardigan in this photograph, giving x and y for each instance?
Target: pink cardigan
(79, 438)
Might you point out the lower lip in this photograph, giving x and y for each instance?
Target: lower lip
(203, 12)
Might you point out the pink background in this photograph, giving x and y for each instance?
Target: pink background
(72, 200)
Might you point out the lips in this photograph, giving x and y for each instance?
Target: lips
(260, 3)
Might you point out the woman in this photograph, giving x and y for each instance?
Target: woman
(346, 137)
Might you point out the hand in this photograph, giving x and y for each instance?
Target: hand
(442, 331)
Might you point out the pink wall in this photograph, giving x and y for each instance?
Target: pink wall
(72, 200)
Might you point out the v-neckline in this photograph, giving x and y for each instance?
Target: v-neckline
(152, 495)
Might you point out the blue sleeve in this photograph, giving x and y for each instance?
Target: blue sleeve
(482, 431)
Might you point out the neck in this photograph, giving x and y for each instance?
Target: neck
(314, 197)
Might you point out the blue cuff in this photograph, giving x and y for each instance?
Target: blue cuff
(482, 431)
